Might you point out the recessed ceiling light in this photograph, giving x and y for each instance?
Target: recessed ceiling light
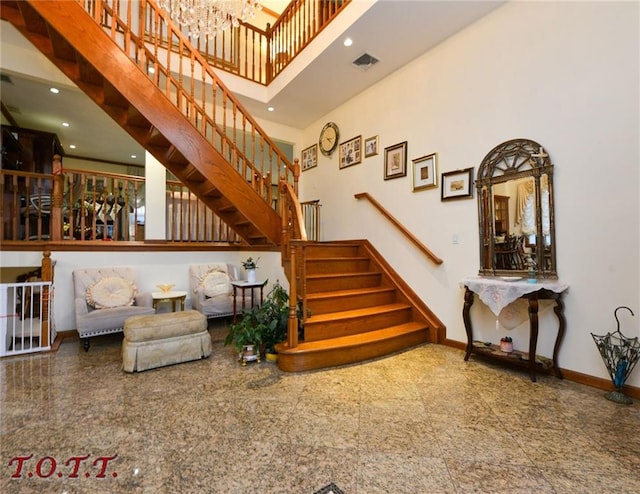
(151, 70)
(271, 108)
(348, 42)
(66, 124)
(72, 146)
(54, 90)
(133, 156)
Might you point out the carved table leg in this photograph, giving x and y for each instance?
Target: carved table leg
(533, 335)
(234, 304)
(559, 310)
(468, 302)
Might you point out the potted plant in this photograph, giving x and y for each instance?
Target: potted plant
(506, 344)
(276, 308)
(250, 265)
(261, 326)
(246, 335)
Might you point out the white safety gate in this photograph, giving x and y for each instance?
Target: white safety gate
(25, 326)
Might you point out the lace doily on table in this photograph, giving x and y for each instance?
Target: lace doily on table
(496, 293)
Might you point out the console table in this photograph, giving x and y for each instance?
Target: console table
(497, 293)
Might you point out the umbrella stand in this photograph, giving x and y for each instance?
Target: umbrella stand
(620, 355)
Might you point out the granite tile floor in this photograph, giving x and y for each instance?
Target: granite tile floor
(420, 421)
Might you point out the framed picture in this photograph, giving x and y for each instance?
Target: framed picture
(371, 146)
(350, 152)
(425, 172)
(395, 161)
(310, 157)
(457, 185)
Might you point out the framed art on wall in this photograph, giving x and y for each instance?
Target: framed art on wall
(371, 146)
(395, 161)
(310, 157)
(350, 152)
(457, 185)
(425, 172)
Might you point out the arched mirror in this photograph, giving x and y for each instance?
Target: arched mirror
(515, 206)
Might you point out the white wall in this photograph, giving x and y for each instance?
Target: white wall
(152, 269)
(564, 74)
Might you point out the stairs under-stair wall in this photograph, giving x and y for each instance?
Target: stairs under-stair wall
(359, 309)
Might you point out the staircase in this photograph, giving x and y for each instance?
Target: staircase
(359, 309)
(82, 49)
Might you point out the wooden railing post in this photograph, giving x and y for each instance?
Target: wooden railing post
(294, 236)
(292, 326)
(269, 60)
(46, 275)
(296, 174)
(56, 223)
(284, 216)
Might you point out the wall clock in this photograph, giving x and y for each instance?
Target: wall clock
(329, 137)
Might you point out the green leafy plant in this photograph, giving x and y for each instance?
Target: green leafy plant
(263, 325)
(276, 308)
(506, 339)
(250, 263)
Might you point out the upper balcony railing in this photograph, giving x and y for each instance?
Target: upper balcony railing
(259, 55)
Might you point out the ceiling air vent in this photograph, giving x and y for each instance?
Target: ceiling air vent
(5, 78)
(365, 61)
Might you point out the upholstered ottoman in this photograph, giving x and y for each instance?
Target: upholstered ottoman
(157, 340)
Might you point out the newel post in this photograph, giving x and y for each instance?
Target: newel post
(46, 275)
(269, 64)
(292, 325)
(56, 225)
(296, 174)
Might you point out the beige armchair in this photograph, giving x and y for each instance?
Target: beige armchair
(105, 298)
(211, 289)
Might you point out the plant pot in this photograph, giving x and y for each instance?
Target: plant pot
(249, 353)
(506, 346)
(251, 275)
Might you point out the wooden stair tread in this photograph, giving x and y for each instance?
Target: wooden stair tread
(336, 258)
(342, 275)
(349, 293)
(350, 314)
(356, 339)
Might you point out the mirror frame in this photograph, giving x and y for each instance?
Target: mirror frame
(512, 160)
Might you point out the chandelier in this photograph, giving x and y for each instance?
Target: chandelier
(209, 17)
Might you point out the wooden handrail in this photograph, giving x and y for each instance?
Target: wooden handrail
(148, 36)
(423, 248)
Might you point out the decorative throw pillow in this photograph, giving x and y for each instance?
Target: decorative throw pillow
(216, 284)
(111, 292)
